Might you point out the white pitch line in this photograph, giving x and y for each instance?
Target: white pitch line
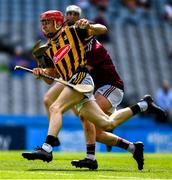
(21, 172)
(101, 176)
(124, 178)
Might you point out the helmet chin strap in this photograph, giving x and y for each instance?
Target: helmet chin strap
(52, 34)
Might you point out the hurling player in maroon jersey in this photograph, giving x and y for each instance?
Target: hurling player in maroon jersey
(108, 93)
(109, 90)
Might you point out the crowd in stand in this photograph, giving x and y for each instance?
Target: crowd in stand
(18, 56)
(131, 11)
(163, 98)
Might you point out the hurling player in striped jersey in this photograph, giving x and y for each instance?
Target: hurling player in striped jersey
(108, 93)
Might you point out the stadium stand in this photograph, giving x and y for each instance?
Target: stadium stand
(140, 51)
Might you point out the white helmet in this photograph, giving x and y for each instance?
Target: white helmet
(74, 8)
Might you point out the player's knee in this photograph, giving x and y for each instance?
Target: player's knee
(47, 101)
(54, 109)
(106, 126)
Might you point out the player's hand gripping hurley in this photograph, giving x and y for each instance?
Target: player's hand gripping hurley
(82, 88)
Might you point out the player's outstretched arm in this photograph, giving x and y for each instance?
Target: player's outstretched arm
(94, 29)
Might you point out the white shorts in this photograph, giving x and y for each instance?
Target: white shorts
(88, 96)
(86, 79)
(113, 94)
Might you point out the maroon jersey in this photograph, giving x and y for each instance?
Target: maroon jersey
(103, 70)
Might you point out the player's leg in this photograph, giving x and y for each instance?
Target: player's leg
(135, 148)
(91, 111)
(111, 139)
(108, 98)
(67, 98)
(90, 136)
(89, 128)
(51, 95)
(105, 104)
(146, 104)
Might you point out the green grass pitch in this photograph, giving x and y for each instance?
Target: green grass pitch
(111, 166)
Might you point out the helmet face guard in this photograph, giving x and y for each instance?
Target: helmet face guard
(56, 16)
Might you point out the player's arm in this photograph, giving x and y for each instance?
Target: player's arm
(93, 29)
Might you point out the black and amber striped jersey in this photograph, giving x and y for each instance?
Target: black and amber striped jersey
(66, 51)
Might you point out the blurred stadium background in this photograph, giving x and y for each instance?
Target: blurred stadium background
(139, 42)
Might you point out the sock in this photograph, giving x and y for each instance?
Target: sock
(139, 107)
(48, 148)
(91, 151)
(124, 144)
(143, 105)
(135, 109)
(131, 148)
(51, 140)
